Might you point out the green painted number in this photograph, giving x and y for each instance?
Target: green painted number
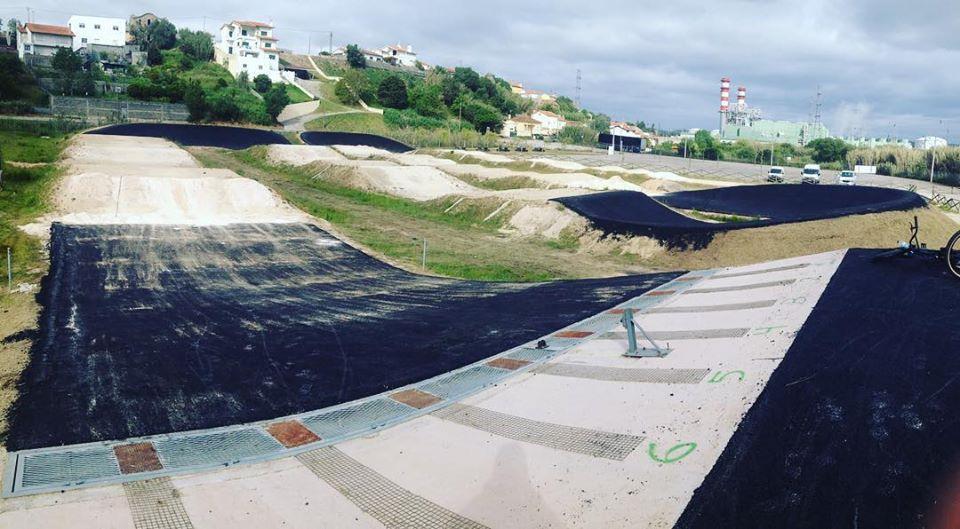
(673, 455)
(720, 375)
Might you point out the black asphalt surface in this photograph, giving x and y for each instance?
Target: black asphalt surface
(151, 329)
(197, 135)
(634, 213)
(353, 138)
(795, 202)
(858, 426)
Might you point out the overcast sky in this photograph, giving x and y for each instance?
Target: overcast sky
(885, 67)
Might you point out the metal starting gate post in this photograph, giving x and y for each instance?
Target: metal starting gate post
(640, 352)
(9, 269)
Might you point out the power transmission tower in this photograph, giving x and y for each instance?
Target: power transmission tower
(817, 112)
(578, 88)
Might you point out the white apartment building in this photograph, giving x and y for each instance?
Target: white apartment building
(929, 142)
(247, 46)
(98, 33)
(40, 41)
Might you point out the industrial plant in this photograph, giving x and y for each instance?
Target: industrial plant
(746, 123)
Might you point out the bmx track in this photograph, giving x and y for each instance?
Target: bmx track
(221, 374)
(631, 212)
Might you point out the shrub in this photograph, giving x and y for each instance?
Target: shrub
(409, 119)
(261, 83)
(355, 57)
(195, 100)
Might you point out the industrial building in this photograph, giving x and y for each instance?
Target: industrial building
(745, 123)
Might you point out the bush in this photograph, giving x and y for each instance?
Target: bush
(392, 92)
(195, 100)
(427, 100)
(410, 119)
(223, 105)
(275, 100)
(828, 149)
(344, 93)
(15, 108)
(154, 57)
(261, 83)
(353, 87)
(197, 45)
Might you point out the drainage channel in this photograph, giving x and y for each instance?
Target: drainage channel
(68, 467)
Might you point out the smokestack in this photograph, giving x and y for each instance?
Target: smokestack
(725, 94)
(741, 98)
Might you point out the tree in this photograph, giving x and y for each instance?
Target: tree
(427, 101)
(162, 35)
(195, 100)
(198, 45)
(67, 64)
(11, 70)
(392, 92)
(154, 57)
(826, 150)
(353, 87)
(261, 83)
(484, 117)
(275, 100)
(467, 77)
(355, 57)
(13, 29)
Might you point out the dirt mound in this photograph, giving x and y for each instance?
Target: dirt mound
(414, 182)
(361, 151)
(130, 151)
(298, 155)
(483, 156)
(545, 220)
(421, 159)
(558, 164)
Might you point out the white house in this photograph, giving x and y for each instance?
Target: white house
(41, 41)
(95, 33)
(626, 130)
(247, 46)
(550, 122)
(400, 55)
(522, 126)
(369, 55)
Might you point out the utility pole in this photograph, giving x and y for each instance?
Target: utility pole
(309, 42)
(933, 163)
(330, 50)
(578, 88)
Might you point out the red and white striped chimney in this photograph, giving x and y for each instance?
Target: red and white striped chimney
(725, 94)
(741, 98)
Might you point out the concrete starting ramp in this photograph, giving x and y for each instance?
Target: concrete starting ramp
(563, 433)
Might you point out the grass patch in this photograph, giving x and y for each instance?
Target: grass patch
(23, 199)
(354, 122)
(459, 243)
(22, 146)
(501, 184)
(295, 94)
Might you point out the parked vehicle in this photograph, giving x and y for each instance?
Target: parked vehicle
(811, 174)
(503, 148)
(847, 178)
(775, 175)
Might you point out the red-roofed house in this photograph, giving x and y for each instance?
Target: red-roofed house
(522, 126)
(38, 42)
(248, 46)
(551, 123)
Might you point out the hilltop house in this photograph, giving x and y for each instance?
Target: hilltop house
(99, 34)
(247, 46)
(399, 55)
(36, 43)
(369, 55)
(551, 123)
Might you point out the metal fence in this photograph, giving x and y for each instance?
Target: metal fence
(98, 110)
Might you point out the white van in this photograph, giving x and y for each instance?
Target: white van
(847, 178)
(775, 175)
(810, 174)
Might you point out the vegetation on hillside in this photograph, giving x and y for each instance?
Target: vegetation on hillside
(911, 163)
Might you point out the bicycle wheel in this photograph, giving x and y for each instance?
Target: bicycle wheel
(953, 254)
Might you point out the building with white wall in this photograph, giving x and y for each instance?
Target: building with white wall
(550, 122)
(399, 55)
(247, 46)
(36, 43)
(929, 142)
(98, 33)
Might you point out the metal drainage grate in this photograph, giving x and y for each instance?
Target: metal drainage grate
(384, 500)
(155, 504)
(364, 416)
(619, 374)
(47, 469)
(529, 354)
(569, 438)
(217, 448)
(463, 382)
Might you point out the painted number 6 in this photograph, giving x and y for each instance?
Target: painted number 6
(672, 455)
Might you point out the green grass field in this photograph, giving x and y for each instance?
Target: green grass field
(296, 95)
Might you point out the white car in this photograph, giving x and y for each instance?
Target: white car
(810, 174)
(775, 175)
(847, 178)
